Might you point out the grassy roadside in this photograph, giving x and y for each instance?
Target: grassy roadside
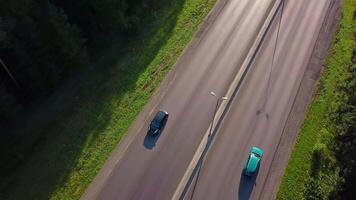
(312, 171)
(73, 143)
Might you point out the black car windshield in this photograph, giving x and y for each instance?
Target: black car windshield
(154, 125)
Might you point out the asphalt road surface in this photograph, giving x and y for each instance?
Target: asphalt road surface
(151, 168)
(259, 112)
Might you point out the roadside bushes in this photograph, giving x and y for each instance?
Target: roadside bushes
(333, 164)
(333, 169)
(323, 160)
(345, 139)
(324, 174)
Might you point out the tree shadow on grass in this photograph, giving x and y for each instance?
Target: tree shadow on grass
(38, 160)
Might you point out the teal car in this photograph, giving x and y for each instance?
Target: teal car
(253, 161)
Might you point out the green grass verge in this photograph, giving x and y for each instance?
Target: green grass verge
(317, 127)
(72, 144)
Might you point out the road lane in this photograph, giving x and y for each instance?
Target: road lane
(151, 169)
(260, 110)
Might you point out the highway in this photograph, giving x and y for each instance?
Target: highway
(152, 168)
(258, 114)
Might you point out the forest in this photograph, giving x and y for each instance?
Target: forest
(43, 43)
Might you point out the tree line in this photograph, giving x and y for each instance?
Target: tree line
(333, 170)
(344, 146)
(43, 42)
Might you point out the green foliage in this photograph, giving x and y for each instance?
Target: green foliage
(43, 48)
(320, 186)
(324, 174)
(9, 107)
(345, 137)
(107, 16)
(322, 160)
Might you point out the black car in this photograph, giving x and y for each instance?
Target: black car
(158, 123)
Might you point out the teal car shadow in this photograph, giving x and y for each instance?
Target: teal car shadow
(247, 183)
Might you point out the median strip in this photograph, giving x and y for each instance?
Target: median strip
(207, 140)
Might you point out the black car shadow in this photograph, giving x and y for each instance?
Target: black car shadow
(150, 140)
(246, 185)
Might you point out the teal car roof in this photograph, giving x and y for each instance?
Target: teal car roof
(252, 163)
(257, 151)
